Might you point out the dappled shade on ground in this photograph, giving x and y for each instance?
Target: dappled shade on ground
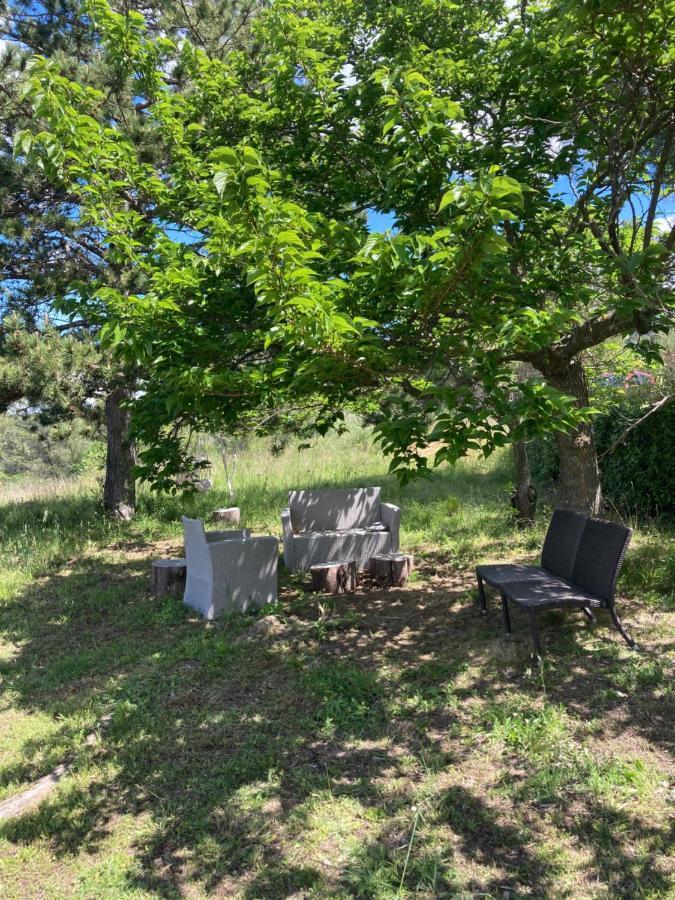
(294, 751)
(380, 744)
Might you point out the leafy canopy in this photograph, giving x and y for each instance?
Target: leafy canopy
(526, 156)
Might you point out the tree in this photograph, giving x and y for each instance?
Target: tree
(526, 155)
(51, 259)
(59, 373)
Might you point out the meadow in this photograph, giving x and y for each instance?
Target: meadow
(383, 744)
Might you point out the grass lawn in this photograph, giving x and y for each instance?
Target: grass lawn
(383, 744)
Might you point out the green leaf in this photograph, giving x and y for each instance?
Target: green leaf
(504, 186)
(220, 181)
(447, 198)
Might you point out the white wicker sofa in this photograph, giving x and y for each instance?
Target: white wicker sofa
(228, 571)
(324, 525)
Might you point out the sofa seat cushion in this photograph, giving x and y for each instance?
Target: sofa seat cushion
(497, 575)
(359, 544)
(550, 591)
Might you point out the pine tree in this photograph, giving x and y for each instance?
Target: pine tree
(48, 255)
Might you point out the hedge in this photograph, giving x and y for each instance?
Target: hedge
(637, 476)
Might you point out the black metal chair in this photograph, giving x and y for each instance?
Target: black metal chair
(597, 564)
(557, 557)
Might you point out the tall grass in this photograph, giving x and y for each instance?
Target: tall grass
(462, 512)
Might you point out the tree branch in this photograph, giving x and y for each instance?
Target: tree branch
(650, 412)
(656, 189)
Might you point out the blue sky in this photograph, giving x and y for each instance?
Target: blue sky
(378, 221)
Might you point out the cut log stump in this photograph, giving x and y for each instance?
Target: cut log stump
(168, 577)
(334, 577)
(231, 514)
(391, 568)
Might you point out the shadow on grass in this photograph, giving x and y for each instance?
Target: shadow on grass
(462, 830)
(225, 737)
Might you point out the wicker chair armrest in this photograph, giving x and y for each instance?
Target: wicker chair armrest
(264, 547)
(390, 515)
(287, 532)
(286, 525)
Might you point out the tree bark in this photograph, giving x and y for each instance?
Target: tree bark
(579, 478)
(168, 578)
(334, 578)
(391, 568)
(524, 498)
(119, 492)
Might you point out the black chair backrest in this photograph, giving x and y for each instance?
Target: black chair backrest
(600, 556)
(562, 542)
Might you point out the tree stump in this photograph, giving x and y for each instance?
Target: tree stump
(334, 577)
(231, 514)
(391, 568)
(168, 577)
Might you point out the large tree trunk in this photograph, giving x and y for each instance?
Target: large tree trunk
(524, 498)
(119, 492)
(579, 479)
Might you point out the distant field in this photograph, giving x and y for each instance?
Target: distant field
(384, 744)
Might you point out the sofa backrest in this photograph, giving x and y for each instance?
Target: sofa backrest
(329, 510)
(562, 542)
(600, 557)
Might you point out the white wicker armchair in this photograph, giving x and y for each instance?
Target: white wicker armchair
(228, 571)
(319, 526)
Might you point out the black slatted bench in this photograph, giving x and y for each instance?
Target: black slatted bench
(580, 564)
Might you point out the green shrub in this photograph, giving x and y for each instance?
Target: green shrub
(639, 474)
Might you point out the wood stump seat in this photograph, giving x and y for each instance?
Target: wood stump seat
(228, 514)
(168, 577)
(334, 576)
(391, 569)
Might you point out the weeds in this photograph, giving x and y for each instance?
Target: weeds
(349, 699)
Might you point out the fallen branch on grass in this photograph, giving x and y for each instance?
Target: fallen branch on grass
(39, 790)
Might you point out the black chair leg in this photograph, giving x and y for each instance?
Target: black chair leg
(506, 616)
(622, 631)
(587, 612)
(534, 628)
(481, 595)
